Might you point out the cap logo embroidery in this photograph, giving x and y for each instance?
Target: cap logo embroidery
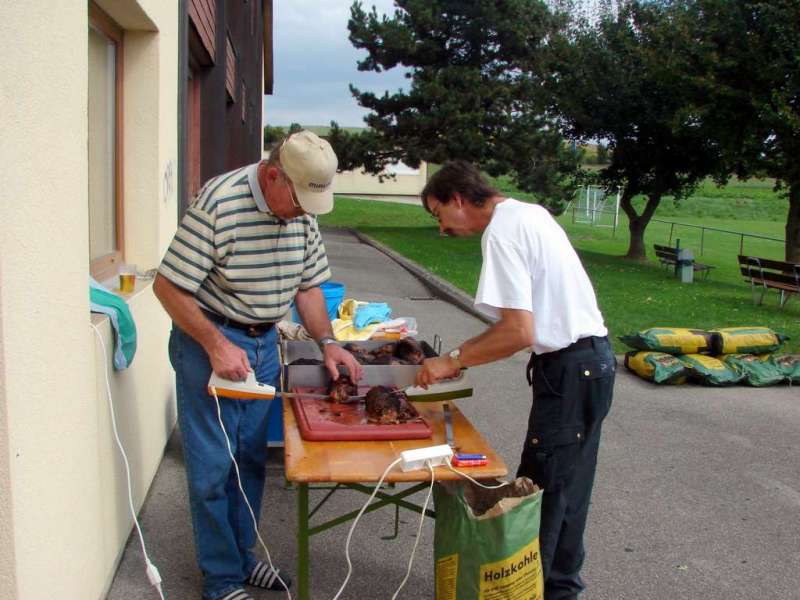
(318, 186)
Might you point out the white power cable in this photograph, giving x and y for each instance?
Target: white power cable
(153, 575)
(353, 526)
(241, 489)
(419, 531)
(478, 483)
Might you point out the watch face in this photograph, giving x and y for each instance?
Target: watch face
(455, 353)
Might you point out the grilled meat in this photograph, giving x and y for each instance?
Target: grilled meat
(382, 405)
(341, 389)
(409, 351)
(307, 361)
(360, 353)
(403, 352)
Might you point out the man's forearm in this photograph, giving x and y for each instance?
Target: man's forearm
(184, 311)
(311, 307)
(506, 337)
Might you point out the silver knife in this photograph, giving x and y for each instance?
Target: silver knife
(315, 396)
(448, 425)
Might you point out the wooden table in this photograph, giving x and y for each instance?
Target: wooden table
(354, 465)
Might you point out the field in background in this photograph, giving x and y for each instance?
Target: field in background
(632, 296)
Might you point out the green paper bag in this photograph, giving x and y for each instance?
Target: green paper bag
(486, 542)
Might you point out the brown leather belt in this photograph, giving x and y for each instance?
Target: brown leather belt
(251, 329)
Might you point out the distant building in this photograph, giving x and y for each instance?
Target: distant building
(407, 181)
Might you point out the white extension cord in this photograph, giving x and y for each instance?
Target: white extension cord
(419, 531)
(353, 526)
(411, 459)
(153, 576)
(241, 489)
(478, 483)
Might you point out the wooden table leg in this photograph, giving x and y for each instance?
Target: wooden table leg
(302, 542)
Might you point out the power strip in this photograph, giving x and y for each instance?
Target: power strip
(411, 460)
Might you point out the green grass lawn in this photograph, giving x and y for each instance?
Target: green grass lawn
(632, 296)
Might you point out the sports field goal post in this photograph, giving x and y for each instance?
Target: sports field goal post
(593, 206)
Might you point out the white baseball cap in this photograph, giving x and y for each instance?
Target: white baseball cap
(310, 162)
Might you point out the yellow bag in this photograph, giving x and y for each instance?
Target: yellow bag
(672, 340)
(657, 367)
(747, 340)
(709, 370)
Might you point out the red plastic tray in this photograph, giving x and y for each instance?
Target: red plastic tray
(321, 420)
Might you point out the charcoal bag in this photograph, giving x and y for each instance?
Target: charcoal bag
(486, 542)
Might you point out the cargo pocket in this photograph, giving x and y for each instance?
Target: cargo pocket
(597, 383)
(550, 456)
(597, 369)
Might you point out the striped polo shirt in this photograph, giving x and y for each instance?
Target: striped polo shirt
(237, 258)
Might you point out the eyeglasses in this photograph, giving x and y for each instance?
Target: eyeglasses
(290, 185)
(435, 214)
(295, 201)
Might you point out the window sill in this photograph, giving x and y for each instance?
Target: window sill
(112, 284)
(142, 284)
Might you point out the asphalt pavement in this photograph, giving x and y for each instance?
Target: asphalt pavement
(697, 493)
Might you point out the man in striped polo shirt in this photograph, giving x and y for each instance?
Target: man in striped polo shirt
(247, 247)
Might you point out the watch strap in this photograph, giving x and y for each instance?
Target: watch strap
(324, 341)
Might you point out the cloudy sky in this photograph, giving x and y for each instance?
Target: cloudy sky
(315, 62)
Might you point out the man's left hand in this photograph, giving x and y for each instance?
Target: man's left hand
(336, 355)
(436, 369)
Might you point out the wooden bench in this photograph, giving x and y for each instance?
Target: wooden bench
(668, 256)
(764, 274)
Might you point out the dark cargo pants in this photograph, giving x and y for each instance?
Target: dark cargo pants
(572, 392)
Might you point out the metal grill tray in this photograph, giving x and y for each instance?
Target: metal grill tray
(317, 375)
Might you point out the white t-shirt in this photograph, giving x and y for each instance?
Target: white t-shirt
(529, 264)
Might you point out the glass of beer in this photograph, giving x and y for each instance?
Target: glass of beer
(127, 278)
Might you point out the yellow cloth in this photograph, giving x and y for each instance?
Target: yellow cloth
(347, 309)
(344, 331)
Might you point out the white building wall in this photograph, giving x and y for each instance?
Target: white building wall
(406, 182)
(63, 499)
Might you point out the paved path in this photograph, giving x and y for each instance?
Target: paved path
(697, 495)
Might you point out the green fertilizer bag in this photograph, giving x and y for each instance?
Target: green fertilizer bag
(788, 364)
(709, 370)
(657, 367)
(672, 340)
(486, 542)
(747, 340)
(757, 370)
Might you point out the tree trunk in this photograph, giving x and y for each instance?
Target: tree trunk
(638, 223)
(793, 224)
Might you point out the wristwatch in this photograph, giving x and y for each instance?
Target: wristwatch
(327, 340)
(455, 354)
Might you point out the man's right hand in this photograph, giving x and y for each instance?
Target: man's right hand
(229, 361)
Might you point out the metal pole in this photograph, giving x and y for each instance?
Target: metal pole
(302, 542)
(741, 244)
(671, 228)
(573, 212)
(702, 239)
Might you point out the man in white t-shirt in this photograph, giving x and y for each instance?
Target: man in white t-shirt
(534, 284)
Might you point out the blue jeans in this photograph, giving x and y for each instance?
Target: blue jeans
(223, 529)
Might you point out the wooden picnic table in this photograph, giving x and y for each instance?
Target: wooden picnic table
(356, 465)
